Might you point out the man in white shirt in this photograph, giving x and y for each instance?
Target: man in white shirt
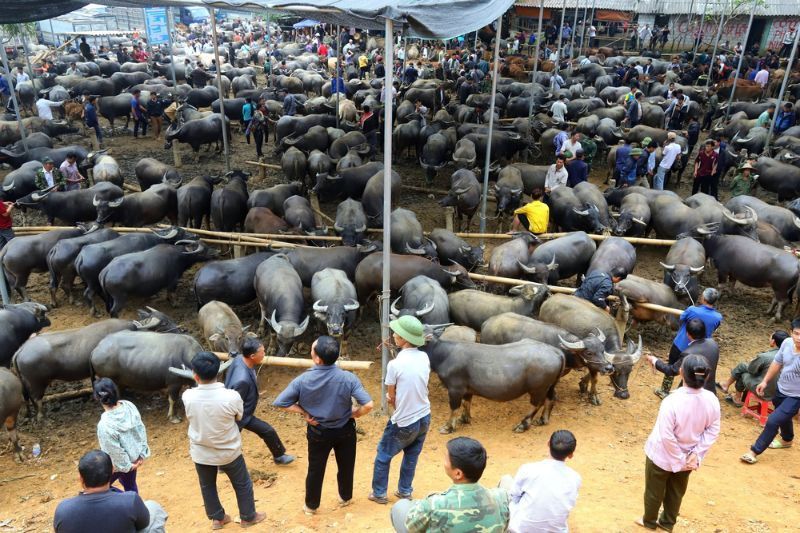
(573, 144)
(559, 109)
(407, 391)
(668, 157)
(43, 105)
(762, 77)
(215, 442)
(556, 175)
(541, 495)
(21, 75)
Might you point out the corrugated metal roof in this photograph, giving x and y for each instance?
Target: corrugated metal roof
(784, 8)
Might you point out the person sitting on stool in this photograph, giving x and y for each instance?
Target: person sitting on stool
(533, 216)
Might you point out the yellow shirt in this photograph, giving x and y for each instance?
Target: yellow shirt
(362, 61)
(538, 215)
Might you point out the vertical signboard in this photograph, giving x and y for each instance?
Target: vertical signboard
(155, 19)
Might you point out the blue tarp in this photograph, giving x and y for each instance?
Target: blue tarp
(307, 23)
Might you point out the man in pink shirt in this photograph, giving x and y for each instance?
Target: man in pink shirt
(686, 427)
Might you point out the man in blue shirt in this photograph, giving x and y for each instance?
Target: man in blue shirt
(705, 311)
(324, 395)
(784, 119)
(289, 105)
(577, 170)
(90, 117)
(247, 116)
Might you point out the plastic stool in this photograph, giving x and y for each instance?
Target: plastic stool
(763, 407)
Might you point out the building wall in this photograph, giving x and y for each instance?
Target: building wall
(734, 30)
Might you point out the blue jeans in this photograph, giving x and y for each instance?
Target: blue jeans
(658, 180)
(395, 439)
(780, 420)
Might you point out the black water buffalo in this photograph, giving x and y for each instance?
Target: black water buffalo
(335, 302)
(229, 281)
(298, 125)
(112, 107)
(147, 272)
(17, 323)
(506, 258)
(140, 208)
(221, 328)
(784, 220)
(9, 130)
(71, 207)
(464, 195)
(738, 258)
(508, 191)
(20, 182)
(351, 222)
(502, 373)
(197, 132)
(10, 402)
(406, 233)
(780, 178)
(685, 261)
(561, 258)
(613, 252)
(229, 203)
(61, 260)
(105, 168)
(571, 214)
(141, 360)
(202, 97)
(280, 297)
(151, 172)
(453, 249)
(298, 214)
(634, 216)
(58, 155)
(368, 275)
(350, 183)
(26, 254)
(587, 352)
(372, 199)
(582, 318)
(424, 298)
(194, 201)
(307, 261)
(634, 289)
(472, 307)
(273, 197)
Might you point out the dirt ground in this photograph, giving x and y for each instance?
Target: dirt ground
(724, 495)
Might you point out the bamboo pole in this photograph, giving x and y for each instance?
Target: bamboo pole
(303, 363)
(69, 395)
(264, 165)
(570, 290)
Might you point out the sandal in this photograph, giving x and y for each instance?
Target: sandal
(720, 387)
(779, 444)
(749, 458)
(731, 400)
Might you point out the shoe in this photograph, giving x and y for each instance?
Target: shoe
(284, 459)
(661, 393)
(402, 496)
(383, 500)
(308, 511)
(640, 522)
(749, 458)
(345, 503)
(259, 517)
(219, 524)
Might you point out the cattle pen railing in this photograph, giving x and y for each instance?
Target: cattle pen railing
(277, 240)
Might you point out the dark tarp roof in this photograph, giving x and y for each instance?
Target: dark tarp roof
(16, 11)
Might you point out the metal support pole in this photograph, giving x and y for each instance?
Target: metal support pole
(572, 34)
(535, 62)
(339, 58)
(491, 126)
(688, 23)
(782, 92)
(716, 44)
(583, 31)
(741, 59)
(53, 34)
(13, 95)
(213, 16)
(27, 54)
(171, 56)
(387, 207)
(560, 33)
(699, 32)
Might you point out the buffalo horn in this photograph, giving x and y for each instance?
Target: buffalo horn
(117, 202)
(696, 270)
(433, 244)
(796, 221)
(516, 191)
(352, 306)
(584, 212)
(95, 201)
(741, 221)
(526, 268)
(600, 335)
(338, 228)
(319, 308)
(273, 322)
(459, 192)
(182, 372)
(415, 251)
(394, 309)
(8, 187)
(639, 221)
(361, 228)
(425, 310)
(667, 267)
(571, 345)
(636, 354)
(552, 265)
(303, 326)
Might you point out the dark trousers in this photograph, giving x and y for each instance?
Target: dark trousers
(139, 123)
(320, 443)
(237, 473)
(98, 132)
(268, 434)
(707, 119)
(5, 236)
(524, 221)
(662, 487)
(703, 184)
(674, 355)
(786, 407)
(127, 479)
(258, 137)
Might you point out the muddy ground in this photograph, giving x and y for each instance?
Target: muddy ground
(724, 495)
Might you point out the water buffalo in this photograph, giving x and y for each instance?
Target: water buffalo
(17, 323)
(613, 252)
(587, 352)
(61, 260)
(506, 258)
(560, 258)
(273, 197)
(196, 133)
(298, 214)
(570, 213)
(280, 296)
(151, 172)
(784, 220)
(71, 207)
(335, 302)
(685, 261)
(350, 183)
(105, 168)
(147, 272)
(9, 130)
(634, 216)
(464, 195)
(229, 204)
(10, 402)
(140, 208)
(453, 249)
(221, 328)
(471, 307)
(406, 233)
(582, 318)
(351, 222)
(20, 182)
(502, 373)
(229, 281)
(194, 201)
(372, 199)
(308, 261)
(634, 289)
(293, 163)
(424, 298)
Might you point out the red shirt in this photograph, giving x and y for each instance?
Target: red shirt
(5, 218)
(707, 162)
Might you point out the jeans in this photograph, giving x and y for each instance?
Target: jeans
(158, 518)
(395, 439)
(5, 236)
(399, 513)
(237, 473)
(662, 487)
(661, 176)
(98, 132)
(139, 123)
(786, 407)
(320, 443)
(127, 479)
(268, 434)
(258, 136)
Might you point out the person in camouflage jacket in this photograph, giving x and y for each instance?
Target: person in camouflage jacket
(466, 506)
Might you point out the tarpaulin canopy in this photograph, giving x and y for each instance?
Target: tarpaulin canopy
(306, 23)
(430, 19)
(16, 11)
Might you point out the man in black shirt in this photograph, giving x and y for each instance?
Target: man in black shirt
(86, 50)
(120, 512)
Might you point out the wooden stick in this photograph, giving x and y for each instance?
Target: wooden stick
(423, 189)
(16, 478)
(131, 188)
(69, 395)
(570, 290)
(264, 165)
(303, 363)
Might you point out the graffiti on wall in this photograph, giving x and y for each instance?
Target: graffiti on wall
(734, 30)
